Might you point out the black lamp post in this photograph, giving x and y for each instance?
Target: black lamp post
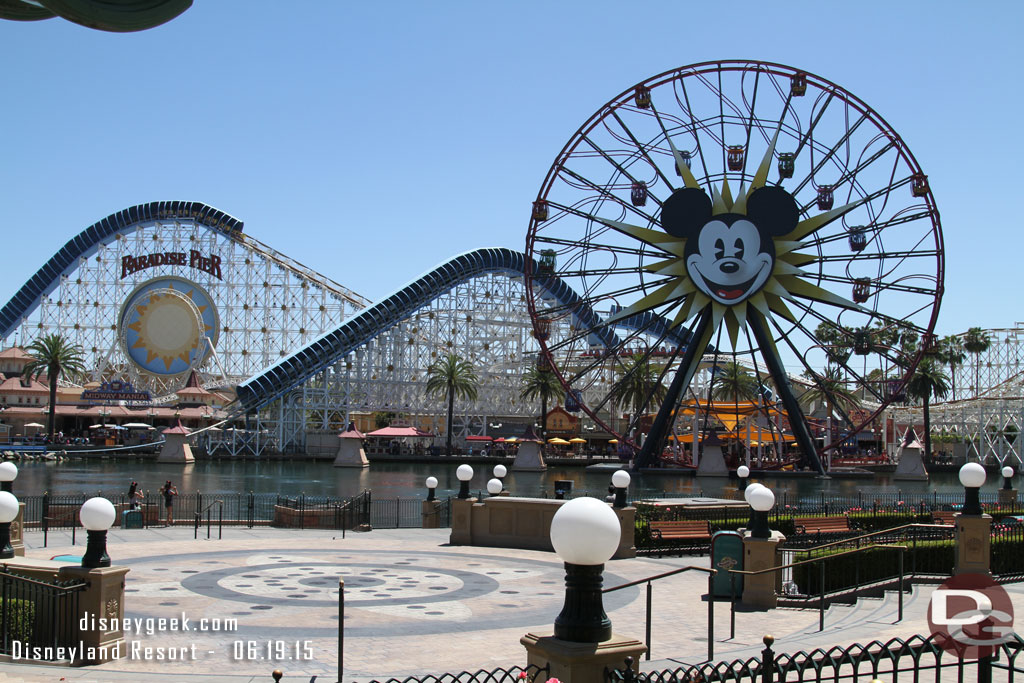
(743, 472)
(762, 500)
(972, 476)
(431, 488)
(97, 516)
(8, 513)
(620, 480)
(1007, 478)
(585, 534)
(464, 474)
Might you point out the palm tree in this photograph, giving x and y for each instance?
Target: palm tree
(540, 381)
(56, 356)
(976, 342)
(732, 382)
(951, 352)
(640, 385)
(836, 341)
(929, 380)
(452, 376)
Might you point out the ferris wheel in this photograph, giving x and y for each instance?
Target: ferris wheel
(761, 214)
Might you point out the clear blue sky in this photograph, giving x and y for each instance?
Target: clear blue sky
(371, 141)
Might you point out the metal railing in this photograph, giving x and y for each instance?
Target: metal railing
(917, 658)
(823, 592)
(220, 519)
(38, 617)
(711, 603)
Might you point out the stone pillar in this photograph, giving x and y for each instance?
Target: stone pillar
(102, 599)
(627, 520)
(431, 512)
(1007, 497)
(761, 590)
(18, 532)
(462, 521)
(579, 662)
(973, 535)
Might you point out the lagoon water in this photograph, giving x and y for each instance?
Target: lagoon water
(391, 480)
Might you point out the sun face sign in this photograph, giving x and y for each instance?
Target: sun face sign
(729, 257)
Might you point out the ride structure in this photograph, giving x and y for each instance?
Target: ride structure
(747, 203)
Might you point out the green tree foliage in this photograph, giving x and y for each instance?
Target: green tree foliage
(831, 389)
(733, 382)
(541, 382)
(929, 381)
(640, 385)
(58, 358)
(952, 353)
(976, 342)
(452, 376)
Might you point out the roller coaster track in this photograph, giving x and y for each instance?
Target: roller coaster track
(301, 365)
(86, 242)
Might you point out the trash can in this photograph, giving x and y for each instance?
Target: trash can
(563, 487)
(726, 554)
(131, 519)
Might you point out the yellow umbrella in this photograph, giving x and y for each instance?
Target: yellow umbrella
(577, 440)
(613, 440)
(511, 439)
(559, 442)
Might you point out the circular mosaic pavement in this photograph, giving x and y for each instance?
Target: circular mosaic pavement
(385, 591)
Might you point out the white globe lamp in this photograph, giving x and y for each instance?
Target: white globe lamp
(464, 474)
(8, 513)
(743, 472)
(494, 486)
(972, 476)
(97, 516)
(762, 500)
(1007, 473)
(500, 471)
(585, 533)
(620, 480)
(431, 488)
(8, 473)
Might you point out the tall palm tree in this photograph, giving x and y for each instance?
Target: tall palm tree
(451, 376)
(540, 381)
(928, 381)
(976, 342)
(732, 382)
(951, 352)
(58, 358)
(836, 340)
(640, 385)
(831, 389)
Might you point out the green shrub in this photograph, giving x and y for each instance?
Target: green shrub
(20, 615)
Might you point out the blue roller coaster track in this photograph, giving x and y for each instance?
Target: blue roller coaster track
(295, 369)
(64, 261)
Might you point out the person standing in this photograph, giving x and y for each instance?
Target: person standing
(169, 492)
(133, 496)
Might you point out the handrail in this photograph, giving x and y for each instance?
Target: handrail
(77, 585)
(220, 520)
(881, 532)
(59, 518)
(821, 598)
(711, 602)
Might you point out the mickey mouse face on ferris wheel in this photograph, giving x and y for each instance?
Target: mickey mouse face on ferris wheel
(729, 256)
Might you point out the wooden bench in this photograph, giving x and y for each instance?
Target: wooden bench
(695, 532)
(944, 517)
(822, 525)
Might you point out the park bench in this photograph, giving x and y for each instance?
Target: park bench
(943, 517)
(693, 532)
(822, 525)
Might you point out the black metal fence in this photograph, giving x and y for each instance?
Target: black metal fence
(916, 659)
(49, 512)
(514, 674)
(37, 618)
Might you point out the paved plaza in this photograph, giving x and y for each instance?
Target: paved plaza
(413, 605)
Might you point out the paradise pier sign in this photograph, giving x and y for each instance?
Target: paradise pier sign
(194, 259)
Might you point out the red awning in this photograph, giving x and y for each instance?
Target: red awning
(395, 432)
(475, 437)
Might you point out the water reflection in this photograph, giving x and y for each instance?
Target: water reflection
(389, 480)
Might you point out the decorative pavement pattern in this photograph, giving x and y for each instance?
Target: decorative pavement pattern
(413, 605)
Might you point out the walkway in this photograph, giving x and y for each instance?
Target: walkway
(413, 605)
